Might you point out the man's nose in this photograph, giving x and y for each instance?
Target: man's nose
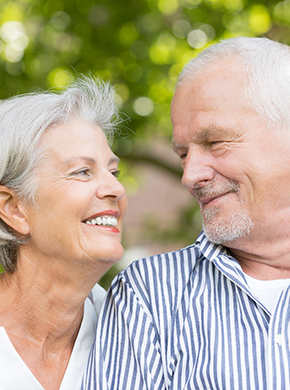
(197, 171)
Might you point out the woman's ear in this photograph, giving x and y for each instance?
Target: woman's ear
(12, 212)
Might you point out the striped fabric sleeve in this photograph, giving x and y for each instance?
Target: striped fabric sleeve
(126, 354)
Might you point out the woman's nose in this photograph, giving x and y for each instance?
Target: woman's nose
(111, 187)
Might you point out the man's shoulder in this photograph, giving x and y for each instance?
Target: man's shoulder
(162, 284)
(181, 258)
(169, 270)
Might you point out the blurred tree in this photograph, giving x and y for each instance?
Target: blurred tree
(140, 46)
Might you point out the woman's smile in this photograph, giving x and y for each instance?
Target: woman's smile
(106, 219)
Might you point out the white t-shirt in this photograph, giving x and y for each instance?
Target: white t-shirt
(15, 375)
(267, 291)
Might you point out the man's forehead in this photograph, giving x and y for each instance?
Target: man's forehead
(223, 76)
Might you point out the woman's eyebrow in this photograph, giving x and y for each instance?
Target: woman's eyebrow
(87, 159)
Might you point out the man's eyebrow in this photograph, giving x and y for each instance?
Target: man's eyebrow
(212, 130)
(175, 146)
(204, 133)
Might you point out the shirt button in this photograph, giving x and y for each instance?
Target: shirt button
(279, 339)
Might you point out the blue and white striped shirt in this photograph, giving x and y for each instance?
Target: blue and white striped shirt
(187, 320)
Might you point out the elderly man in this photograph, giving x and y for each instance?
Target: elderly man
(215, 315)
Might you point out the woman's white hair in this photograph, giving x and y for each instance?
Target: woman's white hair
(267, 67)
(23, 120)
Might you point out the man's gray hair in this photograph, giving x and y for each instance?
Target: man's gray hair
(23, 120)
(267, 67)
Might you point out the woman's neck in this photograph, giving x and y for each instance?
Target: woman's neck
(43, 300)
(41, 311)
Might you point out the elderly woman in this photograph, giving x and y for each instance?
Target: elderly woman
(61, 211)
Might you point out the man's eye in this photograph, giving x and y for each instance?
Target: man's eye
(214, 142)
(183, 155)
(116, 173)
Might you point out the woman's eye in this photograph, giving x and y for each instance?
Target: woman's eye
(116, 173)
(81, 172)
(84, 172)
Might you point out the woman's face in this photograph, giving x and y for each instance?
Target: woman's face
(80, 204)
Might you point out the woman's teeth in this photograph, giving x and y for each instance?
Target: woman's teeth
(105, 221)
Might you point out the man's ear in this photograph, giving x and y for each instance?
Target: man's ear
(12, 212)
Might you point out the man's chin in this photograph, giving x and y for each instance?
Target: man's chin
(224, 232)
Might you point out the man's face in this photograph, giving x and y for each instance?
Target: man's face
(236, 168)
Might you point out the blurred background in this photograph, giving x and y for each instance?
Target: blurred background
(140, 46)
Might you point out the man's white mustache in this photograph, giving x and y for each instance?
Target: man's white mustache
(212, 190)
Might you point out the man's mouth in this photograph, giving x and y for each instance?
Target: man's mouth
(207, 200)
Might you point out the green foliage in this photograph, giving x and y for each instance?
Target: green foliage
(140, 46)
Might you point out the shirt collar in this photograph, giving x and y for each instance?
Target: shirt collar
(209, 249)
(223, 260)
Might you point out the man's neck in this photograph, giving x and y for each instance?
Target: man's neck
(268, 260)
